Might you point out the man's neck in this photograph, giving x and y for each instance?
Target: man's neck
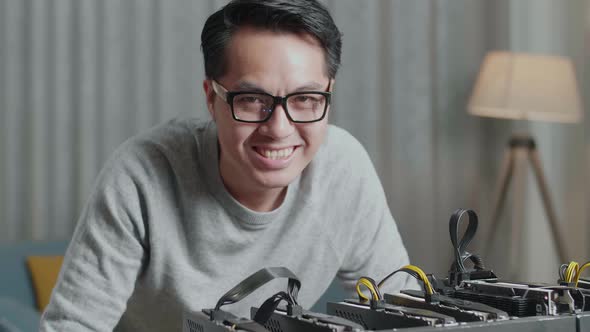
(260, 201)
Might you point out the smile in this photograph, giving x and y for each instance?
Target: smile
(275, 154)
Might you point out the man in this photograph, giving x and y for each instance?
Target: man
(183, 213)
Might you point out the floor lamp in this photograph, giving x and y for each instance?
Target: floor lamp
(522, 86)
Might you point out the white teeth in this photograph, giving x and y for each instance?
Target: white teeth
(276, 154)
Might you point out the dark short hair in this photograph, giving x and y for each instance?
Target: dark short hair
(297, 16)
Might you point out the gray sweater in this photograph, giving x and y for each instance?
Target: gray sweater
(160, 234)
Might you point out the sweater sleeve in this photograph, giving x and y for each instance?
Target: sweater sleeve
(104, 258)
(376, 250)
(375, 247)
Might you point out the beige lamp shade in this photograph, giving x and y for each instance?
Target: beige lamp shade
(526, 87)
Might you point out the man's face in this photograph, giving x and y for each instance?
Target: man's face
(258, 157)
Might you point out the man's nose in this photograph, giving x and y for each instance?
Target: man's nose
(279, 125)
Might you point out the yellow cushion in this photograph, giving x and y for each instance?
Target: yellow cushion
(44, 271)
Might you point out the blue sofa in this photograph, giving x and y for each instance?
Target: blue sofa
(18, 310)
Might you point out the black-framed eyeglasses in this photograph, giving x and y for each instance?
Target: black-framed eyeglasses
(300, 107)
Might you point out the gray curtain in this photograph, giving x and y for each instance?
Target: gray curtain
(78, 77)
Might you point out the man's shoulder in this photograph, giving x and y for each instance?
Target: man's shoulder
(171, 144)
(342, 147)
(342, 162)
(175, 135)
(339, 134)
(172, 134)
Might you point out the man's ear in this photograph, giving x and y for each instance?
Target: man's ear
(332, 82)
(210, 97)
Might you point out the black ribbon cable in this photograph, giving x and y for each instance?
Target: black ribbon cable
(269, 306)
(258, 279)
(460, 246)
(474, 258)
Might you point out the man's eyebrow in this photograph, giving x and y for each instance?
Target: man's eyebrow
(308, 86)
(249, 86)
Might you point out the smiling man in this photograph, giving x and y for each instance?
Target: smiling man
(267, 141)
(184, 212)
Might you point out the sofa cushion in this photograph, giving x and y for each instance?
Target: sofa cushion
(15, 280)
(44, 271)
(17, 317)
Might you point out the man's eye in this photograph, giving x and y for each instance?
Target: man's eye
(308, 99)
(302, 99)
(251, 99)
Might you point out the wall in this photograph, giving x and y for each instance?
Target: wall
(78, 77)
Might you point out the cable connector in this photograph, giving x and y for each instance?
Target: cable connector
(220, 316)
(294, 310)
(377, 304)
(432, 298)
(456, 277)
(566, 284)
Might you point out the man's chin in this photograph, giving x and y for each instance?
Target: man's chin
(275, 181)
